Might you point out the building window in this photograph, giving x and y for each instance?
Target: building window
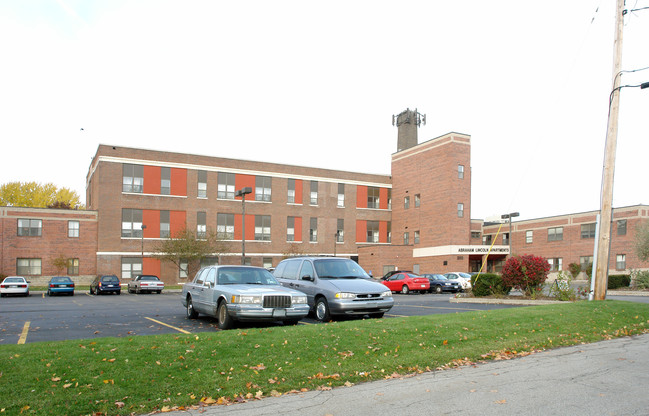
(262, 188)
(340, 230)
(132, 178)
(417, 237)
(620, 262)
(201, 225)
(165, 228)
(131, 267)
(28, 267)
(529, 236)
(262, 227)
(202, 184)
(585, 262)
(225, 226)
(417, 200)
(131, 222)
(372, 232)
(267, 262)
(460, 210)
(621, 227)
(73, 229)
(389, 198)
(291, 191)
(460, 171)
(73, 267)
(373, 196)
(209, 261)
(406, 202)
(341, 195)
(406, 238)
(290, 228)
(486, 240)
(165, 181)
(506, 239)
(29, 228)
(389, 232)
(314, 193)
(555, 234)
(588, 230)
(556, 264)
(475, 234)
(313, 229)
(183, 269)
(225, 186)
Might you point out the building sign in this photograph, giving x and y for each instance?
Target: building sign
(459, 250)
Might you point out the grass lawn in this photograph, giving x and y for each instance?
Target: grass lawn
(145, 373)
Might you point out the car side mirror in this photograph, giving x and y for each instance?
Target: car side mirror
(307, 277)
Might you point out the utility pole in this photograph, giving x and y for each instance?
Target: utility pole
(606, 211)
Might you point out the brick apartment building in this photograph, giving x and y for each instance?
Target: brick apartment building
(418, 218)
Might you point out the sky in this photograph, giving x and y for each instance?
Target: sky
(316, 84)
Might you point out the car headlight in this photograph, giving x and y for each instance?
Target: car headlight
(246, 299)
(345, 295)
(386, 294)
(299, 299)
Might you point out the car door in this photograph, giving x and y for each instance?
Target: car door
(306, 282)
(206, 297)
(195, 288)
(395, 282)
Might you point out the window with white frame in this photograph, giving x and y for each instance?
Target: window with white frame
(73, 229)
(588, 230)
(183, 269)
(313, 229)
(406, 202)
(460, 210)
(406, 238)
(267, 262)
(621, 227)
(585, 262)
(30, 227)
(225, 226)
(417, 200)
(290, 228)
(202, 184)
(165, 181)
(225, 185)
(620, 262)
(340, 230)
(460, 171)
(263, 188)
(529, 236)
(556, 264)
(73, 267)
(372, 232)
(417, 237)
(290, 198)
(201, 225)
(131, 267)
(389, 232)
(262, 227)
(555, 234)
(165, 226)
(131, 222)
(341, 195)
(313, 199)
(28, 267)
(132, 178)
(373, 197)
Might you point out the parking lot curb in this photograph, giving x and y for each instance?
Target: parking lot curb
(526, 302)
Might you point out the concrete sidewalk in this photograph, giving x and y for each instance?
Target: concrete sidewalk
(603, 378)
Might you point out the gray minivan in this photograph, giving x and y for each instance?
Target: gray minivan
(335, 286)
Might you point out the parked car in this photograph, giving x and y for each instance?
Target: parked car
(242, 293)
(60, 285)
(440, 283)
(14, 285)
(335, 286)
(145, 283)
(464, 278)
(407, 282)
(108, 283)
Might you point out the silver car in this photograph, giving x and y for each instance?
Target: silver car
(335, 286)
(242, 293)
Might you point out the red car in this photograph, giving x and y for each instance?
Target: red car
(407, 282)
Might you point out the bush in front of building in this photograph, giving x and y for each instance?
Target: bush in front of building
(640, 279)
(575, 269)
(489, 284)
(616, 281)
(527, 273)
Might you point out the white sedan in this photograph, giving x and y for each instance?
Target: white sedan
(14, 285)
(463, 278)
(146, 283)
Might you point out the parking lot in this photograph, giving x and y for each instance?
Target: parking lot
(42, 318)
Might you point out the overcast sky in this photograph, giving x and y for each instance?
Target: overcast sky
(316, 84)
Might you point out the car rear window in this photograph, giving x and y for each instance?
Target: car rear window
(110, 279)
(61, 280)
(149, 278)
(14, 280)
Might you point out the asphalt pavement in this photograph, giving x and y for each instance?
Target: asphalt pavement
(602, 378)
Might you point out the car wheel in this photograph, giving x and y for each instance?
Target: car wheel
(119, 292)
(405, 290)
(322, 310)
(438, 289)
(225, 320)
(49, 293)
(191, 312)
(27, 294)
(130, 290)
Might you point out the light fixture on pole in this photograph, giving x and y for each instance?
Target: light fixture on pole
(509, 216)
(143, 228)
(242, 193)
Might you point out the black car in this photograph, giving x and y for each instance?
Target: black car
(107, 283)
(439, 283)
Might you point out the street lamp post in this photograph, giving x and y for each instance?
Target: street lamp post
(509, 216)
(242, 193)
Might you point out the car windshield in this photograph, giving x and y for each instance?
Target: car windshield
(61, 280)
(14, 280)
(245, 276)
(439, 277)
(339, 269)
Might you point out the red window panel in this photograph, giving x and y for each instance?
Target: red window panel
(361, 197)
(361, 231)
(240, 182)
(383, 228)
(383, 198)
(250, 227)
(151, 180)
(151, 266)
(178, 181)
(151, 218)
(298, 197)
(177, 222)
(298, 225)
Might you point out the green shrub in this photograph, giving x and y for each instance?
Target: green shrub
(618, 280)
(562, 289)
(640, 279)
(574, 269)
(489, 284)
